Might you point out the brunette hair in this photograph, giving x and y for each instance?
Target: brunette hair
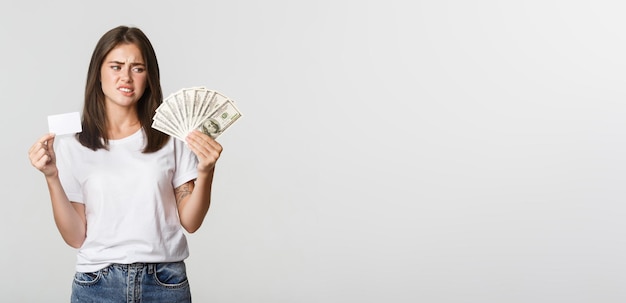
(94, 133)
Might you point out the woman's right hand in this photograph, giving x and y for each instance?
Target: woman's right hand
(42, 155)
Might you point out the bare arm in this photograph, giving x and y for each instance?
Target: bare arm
(69, 217)
(194, 198)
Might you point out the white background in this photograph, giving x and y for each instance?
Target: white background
(390, 151)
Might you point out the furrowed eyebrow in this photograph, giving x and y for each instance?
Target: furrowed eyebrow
(122, 63)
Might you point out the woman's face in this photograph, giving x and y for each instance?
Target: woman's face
(123, 76)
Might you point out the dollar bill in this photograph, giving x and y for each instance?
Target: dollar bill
(195, 108)
(221, 119)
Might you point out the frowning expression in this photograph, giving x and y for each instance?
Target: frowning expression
(123, 76)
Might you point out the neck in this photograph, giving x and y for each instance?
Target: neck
(122, 125)
(123, 131)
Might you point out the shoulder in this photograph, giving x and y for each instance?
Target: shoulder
(179, 146)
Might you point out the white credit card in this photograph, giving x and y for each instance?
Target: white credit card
(63, 124)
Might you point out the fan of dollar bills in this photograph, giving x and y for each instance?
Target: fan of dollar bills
(195, 108)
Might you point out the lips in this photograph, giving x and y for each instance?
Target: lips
(125, 90)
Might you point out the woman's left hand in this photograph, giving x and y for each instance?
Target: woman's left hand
(206, 149)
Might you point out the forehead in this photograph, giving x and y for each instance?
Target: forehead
(126, 52)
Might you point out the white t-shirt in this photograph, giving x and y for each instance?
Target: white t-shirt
(129, 199)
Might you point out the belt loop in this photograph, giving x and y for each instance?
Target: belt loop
(151, 268)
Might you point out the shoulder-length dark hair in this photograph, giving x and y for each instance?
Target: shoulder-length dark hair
(94, 133)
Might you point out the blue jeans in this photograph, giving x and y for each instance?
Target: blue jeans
(129, 283)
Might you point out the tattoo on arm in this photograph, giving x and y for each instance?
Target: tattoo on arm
(182, 191)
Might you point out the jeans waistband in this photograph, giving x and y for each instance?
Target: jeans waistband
(134, 266)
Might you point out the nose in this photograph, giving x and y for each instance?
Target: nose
(126, 75)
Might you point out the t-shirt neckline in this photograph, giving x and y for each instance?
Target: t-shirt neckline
(127, 138)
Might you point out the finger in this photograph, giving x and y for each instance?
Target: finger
(197, 148)
(46, 138)
(43, 141)
(197, 141)
(203, 138)
(50, 142)
(40, 159)
(34, 147)
(36, 151)
(198, 136)
(203, 150)
(206, 156)
(213, 144)
(51, 146)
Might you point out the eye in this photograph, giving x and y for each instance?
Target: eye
(138, 69)
(116, 67)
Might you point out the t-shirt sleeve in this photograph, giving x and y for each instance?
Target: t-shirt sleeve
(186, 164)
(70, 184)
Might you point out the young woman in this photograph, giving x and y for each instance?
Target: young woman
(122, 192)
